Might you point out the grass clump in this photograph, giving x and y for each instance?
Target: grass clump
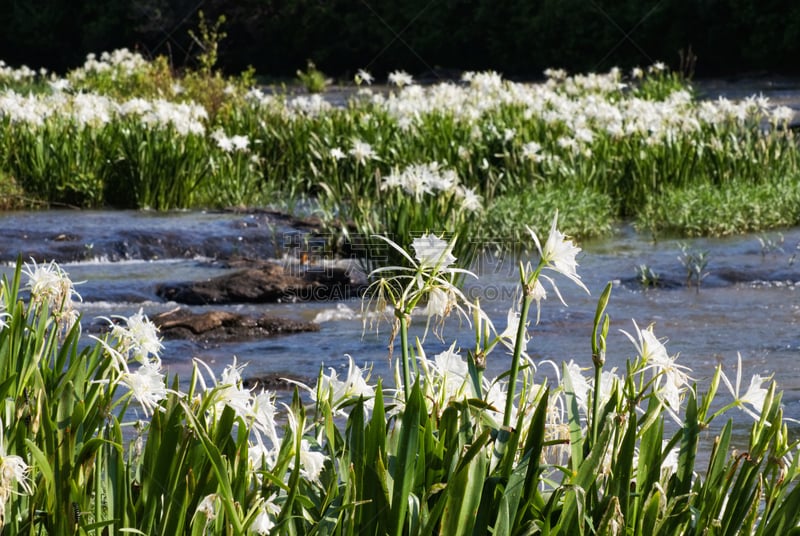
(735, 208)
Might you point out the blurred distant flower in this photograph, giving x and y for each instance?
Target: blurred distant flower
(363, 76)
(362, 152)
(400, 78)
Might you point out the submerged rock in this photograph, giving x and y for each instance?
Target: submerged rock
(268, 282)
(275, 381)
(225, 326)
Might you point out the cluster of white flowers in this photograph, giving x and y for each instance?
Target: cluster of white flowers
(135, 338)
(341, 391)
(186, 118)
(308, 106)
(118, 63)
(419, 180)
(400, 78)
(586, 105)
(91, 109)
(230, 144)
(50, 286)
(16, 74)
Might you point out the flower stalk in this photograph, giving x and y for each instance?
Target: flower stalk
(527, 298)
(402, 317)
(599, 355)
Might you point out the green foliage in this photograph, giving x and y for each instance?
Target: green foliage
(447, 451)
(475, 160)
(312, 78)
(208, 37)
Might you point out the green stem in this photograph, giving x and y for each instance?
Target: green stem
(598, 374)
(520, 341)
(404, 350)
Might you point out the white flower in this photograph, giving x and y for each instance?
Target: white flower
(530, 151)
(559, 254)
(470, 201)
(440, 302)
(138, 339)
(580, 385)
(337, 154)
(362, 152)
(228, 391)
(400, 78)
(146, 385)
(452, 370)
(263, 411)
(208, 507)
(755, 395)
(651, 351)
(48, 283)
(431, 251)
(263, 523)
(240, 143)
(670, 464)
(260, 455)
(13, 469)
(141, 337)
(354, 386)
(672, 380)
(311, 462)
(59, 85)
(509, 335)
(364, 76)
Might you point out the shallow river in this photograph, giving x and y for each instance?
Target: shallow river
(748, 301)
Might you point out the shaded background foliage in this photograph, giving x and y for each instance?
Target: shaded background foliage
(426, 37)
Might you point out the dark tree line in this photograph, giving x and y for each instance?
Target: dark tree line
(424, 37)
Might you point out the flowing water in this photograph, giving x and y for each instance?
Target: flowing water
(748, 301)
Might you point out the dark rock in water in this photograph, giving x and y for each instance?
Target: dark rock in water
(266, 282)
(225, 326)
(789, 275)
(274, 381)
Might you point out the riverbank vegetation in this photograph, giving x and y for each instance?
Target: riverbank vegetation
(95, 438)
(476, 157)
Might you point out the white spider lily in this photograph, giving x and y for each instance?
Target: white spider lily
(353, 386)
(50, 285)
(13, 470)
(755, 395)
(559, 254)
(671, 380)
(228, 391)
(146, 385)
(400, 78)
(432, 251)
(362, 152)
(138, 338)
(311, 462)
(208, 507)
(364, 76)
(431, 269)
(264, 521)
